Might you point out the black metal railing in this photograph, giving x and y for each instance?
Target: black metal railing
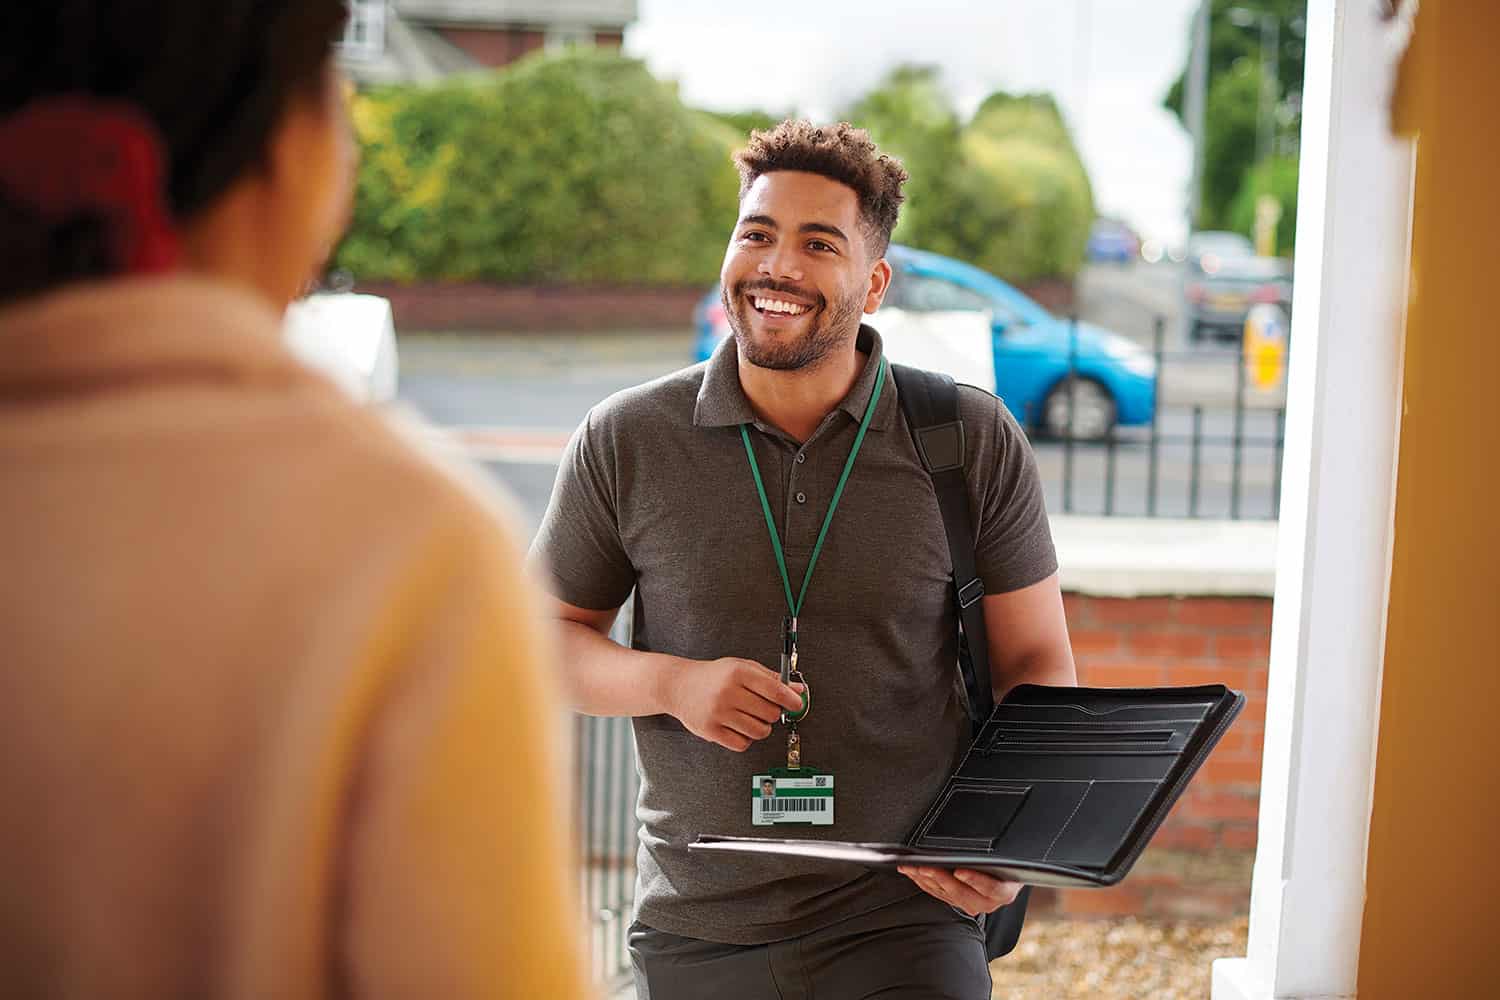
(1195, 459)
(604, 818)
(605, 753)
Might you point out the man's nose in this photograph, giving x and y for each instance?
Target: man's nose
(781, 264)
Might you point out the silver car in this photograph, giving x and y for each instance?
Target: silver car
(1223, 279)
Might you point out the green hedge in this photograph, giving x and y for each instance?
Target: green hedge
(577, 168)
(580, 168)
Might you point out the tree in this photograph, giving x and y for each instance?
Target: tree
(1005, 191)
(745, 122)
(1228, 43)
(909, 115)
(1034, 196)
(1231, 116)
(1229, 148)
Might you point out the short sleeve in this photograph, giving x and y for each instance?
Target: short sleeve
(578, 550)
(1014, 547)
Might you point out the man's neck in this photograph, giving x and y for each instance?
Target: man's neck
(797, 401)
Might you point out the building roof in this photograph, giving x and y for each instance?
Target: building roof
(598, 14)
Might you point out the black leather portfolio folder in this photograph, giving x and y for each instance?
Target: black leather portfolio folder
(1064, 786)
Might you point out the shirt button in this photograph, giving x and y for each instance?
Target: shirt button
(801, 457)
(802, 498)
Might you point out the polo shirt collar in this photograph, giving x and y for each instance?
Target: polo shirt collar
(722, 401)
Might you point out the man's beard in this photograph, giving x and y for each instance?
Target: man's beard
(830, 327)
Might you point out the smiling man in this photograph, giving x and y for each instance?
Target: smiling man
(769, 510)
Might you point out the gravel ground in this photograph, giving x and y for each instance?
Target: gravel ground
(1119, 959)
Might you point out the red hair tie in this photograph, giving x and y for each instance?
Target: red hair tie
(69, 155)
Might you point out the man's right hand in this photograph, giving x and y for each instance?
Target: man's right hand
(731, 702)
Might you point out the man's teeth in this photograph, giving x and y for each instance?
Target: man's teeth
(778, 306)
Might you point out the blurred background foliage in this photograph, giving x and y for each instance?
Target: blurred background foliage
(576, 168)
(1234, 169)
(1276, 177)
(1005, 191)
(580, 168)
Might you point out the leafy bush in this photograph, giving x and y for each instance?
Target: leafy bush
(580, 168)
(574, 168)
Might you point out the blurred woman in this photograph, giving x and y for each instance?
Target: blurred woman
(273, 711)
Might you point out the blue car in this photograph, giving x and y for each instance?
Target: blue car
(1111, 241)
(945, 315)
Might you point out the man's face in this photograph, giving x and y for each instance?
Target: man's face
(797, 275)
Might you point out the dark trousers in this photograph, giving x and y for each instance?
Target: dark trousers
(919, 948)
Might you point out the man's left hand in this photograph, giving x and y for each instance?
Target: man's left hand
(970, 891)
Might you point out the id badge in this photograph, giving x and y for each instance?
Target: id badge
(792, 797)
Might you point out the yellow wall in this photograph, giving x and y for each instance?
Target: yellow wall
(1433, 905)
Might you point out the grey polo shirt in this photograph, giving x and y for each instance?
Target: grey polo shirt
(655, 494)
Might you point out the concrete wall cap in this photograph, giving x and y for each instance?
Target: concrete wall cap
(1139, 557)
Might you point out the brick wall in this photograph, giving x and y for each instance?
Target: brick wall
(477, 307)
(1057, 295)
(1198, 864)
(495, 47)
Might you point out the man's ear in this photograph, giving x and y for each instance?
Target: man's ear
(880, 282)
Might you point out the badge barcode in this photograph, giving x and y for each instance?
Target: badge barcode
(793, 805)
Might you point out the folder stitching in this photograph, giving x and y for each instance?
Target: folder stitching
(1047, 854)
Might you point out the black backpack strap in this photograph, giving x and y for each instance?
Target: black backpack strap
(930, 402)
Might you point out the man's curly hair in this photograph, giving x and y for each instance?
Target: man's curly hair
(839, 152)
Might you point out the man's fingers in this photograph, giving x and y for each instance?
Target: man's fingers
(766, 684)
(748, 725)
(950, 892)
(999, 891)
(951, 889)
(757, 707)
(971, 891)
(731, 740)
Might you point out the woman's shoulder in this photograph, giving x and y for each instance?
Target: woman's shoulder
(400, 468)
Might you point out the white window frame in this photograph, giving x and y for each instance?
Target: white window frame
(562, 36)
(364, 34)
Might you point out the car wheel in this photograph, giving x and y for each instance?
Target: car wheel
(1094, 407)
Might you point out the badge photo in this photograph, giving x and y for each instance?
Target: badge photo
(786, 798)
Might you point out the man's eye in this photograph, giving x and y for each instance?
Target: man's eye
(819, 246)
(757, 237)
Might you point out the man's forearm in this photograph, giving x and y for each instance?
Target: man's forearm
(1050, 667)
(601, 677)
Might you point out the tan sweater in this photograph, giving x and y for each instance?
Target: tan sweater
(274, 711)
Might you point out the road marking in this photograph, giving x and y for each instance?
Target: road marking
(512, 445)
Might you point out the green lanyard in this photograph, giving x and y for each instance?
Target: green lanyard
(795, 606)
